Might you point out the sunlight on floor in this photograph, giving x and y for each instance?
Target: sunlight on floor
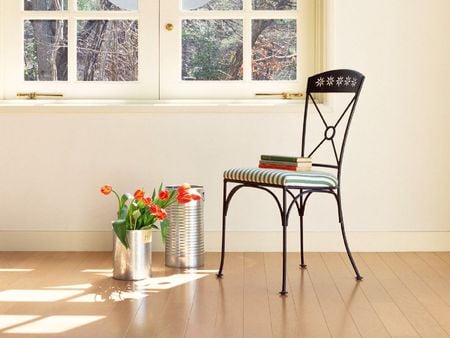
(54, 324)
(73, 286)
(7, 321)
(168, 282)
(37, 295)
(32, 320)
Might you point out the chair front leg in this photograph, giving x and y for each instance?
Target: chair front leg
(284, 221)
(347, 248)
(224, 216)
(302, 213)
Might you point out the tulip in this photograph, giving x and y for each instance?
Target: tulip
(163, 195)
(162, 215)
(196, 197)
(139, 194)
(106, 189)
(184, 198)
(154, 209)
(147, 200)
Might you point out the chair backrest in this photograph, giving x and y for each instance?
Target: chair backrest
(333, 81)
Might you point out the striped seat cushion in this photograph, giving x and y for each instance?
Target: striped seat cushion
(311, 178)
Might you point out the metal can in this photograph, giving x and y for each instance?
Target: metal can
(185, 247)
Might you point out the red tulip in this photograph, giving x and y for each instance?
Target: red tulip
(106, 189)
(147, 200)
(196, 197)
(183, 198)
(162, 215)
(158, 212)
(163, 195)
(139, 194)
(154, 209)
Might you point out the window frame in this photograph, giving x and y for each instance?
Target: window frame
(172, 87)
(152, 83)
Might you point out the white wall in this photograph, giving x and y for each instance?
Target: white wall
(395, 181)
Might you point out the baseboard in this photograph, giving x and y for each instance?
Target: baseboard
(321, 241)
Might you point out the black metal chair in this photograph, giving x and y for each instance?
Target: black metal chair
(300, 185)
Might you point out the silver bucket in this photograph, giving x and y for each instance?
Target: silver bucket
(134, 263)
(185, 245)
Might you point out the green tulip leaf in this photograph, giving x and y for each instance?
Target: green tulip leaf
(164, 229)
(120, 230)
(125, 197)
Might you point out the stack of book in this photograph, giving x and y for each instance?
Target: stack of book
(285, 162)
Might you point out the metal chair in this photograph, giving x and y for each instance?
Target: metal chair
(298, 186)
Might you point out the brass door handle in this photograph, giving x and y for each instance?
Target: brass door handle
(169, 27)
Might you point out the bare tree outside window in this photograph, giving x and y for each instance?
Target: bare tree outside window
(45, 50)
(107, 5)
(212, 5)
(45, 5)
(107, 50)
(274, 49)
(274, 5)
(212, 50)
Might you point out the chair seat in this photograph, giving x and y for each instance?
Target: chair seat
(310, 179)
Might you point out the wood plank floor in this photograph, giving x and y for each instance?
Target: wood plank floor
(63, 294)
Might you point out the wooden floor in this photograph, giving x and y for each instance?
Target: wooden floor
(73, 295)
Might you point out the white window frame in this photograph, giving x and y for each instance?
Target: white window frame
(157, 81)
(172, 86)
(147, 85)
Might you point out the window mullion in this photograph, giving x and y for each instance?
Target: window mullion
(72, 42)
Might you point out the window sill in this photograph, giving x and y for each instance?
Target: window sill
(153, 106)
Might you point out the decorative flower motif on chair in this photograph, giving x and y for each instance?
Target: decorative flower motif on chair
(320, 82)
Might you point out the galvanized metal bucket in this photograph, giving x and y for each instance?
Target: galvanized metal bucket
(185, 245)
(134, 263)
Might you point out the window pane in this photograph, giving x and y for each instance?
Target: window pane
(212, 50)
(107, 5)
(274, 49)
(274, 5)
(212, 5)
(45, 5)
(107, 50)
(45, 50)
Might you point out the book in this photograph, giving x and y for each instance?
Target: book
(285, 163)
(285, 167)
(292, 159)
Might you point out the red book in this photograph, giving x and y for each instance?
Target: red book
(281, 167)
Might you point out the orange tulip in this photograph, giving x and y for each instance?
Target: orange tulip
(106, 189)
(184, 187)
(139, 194)
(163, 195)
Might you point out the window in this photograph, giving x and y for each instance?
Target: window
(134, 49)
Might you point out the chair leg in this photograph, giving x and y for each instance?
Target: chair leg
(302, 257)
(347, 248)
(302, 212)
(283, 291)
(224, 216)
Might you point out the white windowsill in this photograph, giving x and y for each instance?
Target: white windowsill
(145, 106)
